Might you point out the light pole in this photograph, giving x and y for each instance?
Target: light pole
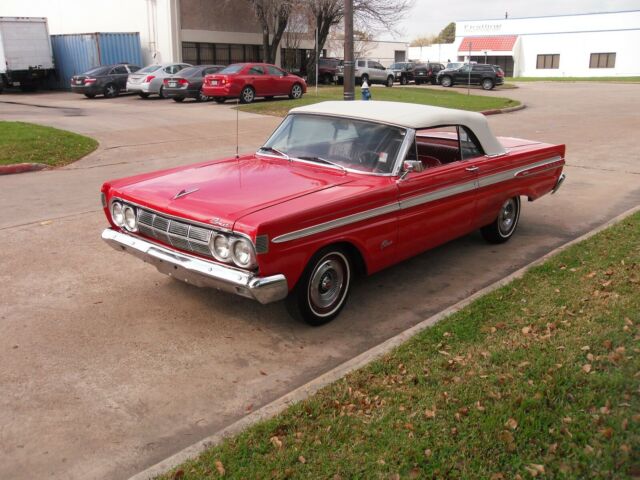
(349, 77)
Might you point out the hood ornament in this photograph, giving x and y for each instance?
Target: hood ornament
(184, 192)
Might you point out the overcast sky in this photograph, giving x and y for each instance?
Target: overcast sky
(431, 16)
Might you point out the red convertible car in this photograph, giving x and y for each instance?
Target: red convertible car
(247, 81)
(338, 189)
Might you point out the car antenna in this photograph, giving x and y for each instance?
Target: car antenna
(237, 126)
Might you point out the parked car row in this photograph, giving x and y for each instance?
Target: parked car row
(487, 76)
(244, 81)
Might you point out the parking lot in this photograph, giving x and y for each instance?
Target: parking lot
(107, 366)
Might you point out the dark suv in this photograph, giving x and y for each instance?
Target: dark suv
(328, 70)
(403, 72)
(487, 76)
(427, 72)
(107, 80)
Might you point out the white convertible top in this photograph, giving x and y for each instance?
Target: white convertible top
(410, 115)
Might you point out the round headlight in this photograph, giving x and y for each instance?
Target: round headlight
(220, 247)
(117, 214)
(243, 255)
(130, 220)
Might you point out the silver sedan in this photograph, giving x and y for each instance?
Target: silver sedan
(149, 80)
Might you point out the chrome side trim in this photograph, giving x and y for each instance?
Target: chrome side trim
(198, 271)
(417, 200)
(339, 222)
(438, 194)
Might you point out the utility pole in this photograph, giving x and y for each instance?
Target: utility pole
(349, 78)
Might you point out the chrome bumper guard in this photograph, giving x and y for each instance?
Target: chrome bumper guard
(198, 271)
(558, 183)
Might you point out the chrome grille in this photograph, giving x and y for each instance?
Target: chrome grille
(181, 235)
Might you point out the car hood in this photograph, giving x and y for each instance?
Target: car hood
(222, 192)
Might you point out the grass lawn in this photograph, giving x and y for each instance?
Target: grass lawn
(426, 96)
(537, 379)
(575, 79)
(28, 143)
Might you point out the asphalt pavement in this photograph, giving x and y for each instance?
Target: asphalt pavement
(107, 367)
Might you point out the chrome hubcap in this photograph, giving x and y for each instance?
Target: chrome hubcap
(507, 216)
(247, 95)
(296, 91)
(326, 285)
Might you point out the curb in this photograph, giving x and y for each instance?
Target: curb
(301, 393)
(497, 111)
(21, 168)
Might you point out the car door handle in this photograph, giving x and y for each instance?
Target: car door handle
(472, 169)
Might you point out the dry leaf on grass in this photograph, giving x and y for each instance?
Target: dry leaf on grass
(220, 467)
(586, 368)
(276, 442)
(301, 459)
(512, 423)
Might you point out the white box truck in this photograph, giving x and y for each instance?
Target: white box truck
(26, 58)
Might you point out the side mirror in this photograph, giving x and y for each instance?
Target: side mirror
(409, 166)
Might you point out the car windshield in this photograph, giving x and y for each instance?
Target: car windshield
(97, 71)
(235, 68)
(346, 143)
(149, 69)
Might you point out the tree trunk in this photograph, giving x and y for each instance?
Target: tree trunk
(323, 33)
(283, 20)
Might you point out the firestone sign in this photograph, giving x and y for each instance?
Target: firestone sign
(483, 27)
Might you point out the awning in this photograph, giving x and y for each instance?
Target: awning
(500, 43)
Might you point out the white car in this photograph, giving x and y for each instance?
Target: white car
(150, 79)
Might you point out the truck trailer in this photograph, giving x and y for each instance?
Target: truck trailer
(26, 58)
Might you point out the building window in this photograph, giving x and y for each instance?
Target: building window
(197, 53)
(602, 60)
(548, 61)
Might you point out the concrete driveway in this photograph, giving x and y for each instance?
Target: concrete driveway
(107, 366)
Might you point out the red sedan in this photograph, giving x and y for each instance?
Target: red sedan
(247, 81)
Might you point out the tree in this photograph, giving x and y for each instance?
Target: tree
(424, 41)
(369, 16)
(447, 34)
(273, 16)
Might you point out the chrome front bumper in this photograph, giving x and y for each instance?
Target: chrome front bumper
(198, 271)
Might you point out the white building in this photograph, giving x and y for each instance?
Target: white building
(582, 45)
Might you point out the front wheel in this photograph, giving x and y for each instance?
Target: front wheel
(201, 97)
(178, 99)
(390, 81)
(296, 92)
(504, 226)
(487, 84)
(143, 95)
(323, 288)
(219, 99)
(404, 80)
(88, 95)
(446, 82)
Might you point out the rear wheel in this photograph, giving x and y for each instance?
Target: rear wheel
(247, 95)
(446, 81)
(110, 90)
(178, 99)
(161, 93)
(403, 80)
(487, 84)
(296, 91)
(504, 226)
(143, 95)
(219, 99)
(202, 97)
(90, 95)
(364, 78)
(323, 288)
(390, 81)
